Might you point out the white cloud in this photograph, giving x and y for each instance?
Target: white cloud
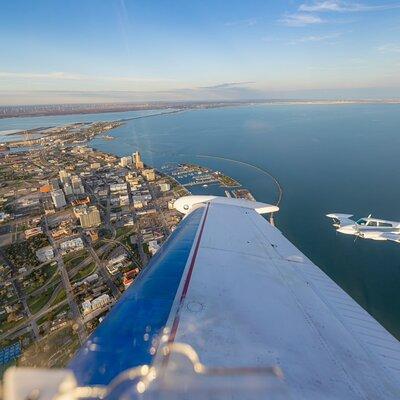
(301, 19)
(242, 22)
(343, 6)
(389, 48)
(316, 38)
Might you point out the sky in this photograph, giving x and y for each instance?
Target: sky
(80, 51)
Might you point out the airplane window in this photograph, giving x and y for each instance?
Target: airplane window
(385, 224)
(361, 222)
(372, 223)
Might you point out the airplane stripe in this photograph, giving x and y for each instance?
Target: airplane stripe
(128, 335)
(175, 324)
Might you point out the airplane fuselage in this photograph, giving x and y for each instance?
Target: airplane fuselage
(367, 228)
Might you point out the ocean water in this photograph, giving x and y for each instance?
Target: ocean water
(328, 158)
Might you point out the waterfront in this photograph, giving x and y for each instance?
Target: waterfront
(327, 157)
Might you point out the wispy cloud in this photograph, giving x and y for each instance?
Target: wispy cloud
(316, 38)
(389, 48)
(227, 85)
(343, 6)
(301, 19)
(75, 77)
(242, 22)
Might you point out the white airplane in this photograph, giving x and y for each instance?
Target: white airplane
(227, 308)
(367, 228)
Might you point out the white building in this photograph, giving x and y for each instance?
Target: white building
(124, 200)
(4, 216)
(58, 198)
(100, 301)
(45, 254)
(164, 187)
(86, 307)
(125, 161)
(118, 187)
(71, 245)
(153, 246)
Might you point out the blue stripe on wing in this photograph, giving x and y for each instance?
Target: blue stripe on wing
(124, 339)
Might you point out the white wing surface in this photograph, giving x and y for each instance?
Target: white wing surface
(250, 298)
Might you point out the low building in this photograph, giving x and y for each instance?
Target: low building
(94, 235)
(80, 202)
(129, 276)
(33, 232)
(71, 245)
(45, 254)
(100, 301)
(86, 307)
(4, 216)
(165, 187)
(45, 189)
(138, 204)
(171, 205)
(124, 200)
(153, 246)
(149, 174)
(118, 187)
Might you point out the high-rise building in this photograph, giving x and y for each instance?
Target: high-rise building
(149, 174)
(54, 184)
(58, 198)
(64, 176)
(68, 189)
(137, 159)
(89, 217)
(77, 185)
(125, 161)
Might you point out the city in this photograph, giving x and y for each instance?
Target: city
(76, 227)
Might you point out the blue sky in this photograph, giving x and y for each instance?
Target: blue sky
(123, 50)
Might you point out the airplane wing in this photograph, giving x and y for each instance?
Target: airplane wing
(395, 237)
(252, 314)
(344, 219)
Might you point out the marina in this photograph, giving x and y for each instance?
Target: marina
(201, 180)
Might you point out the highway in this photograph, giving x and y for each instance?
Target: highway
(76, 315)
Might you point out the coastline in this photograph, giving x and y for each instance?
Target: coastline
(42, 111)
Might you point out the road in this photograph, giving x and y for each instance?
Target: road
(76, 315)
(102, 269)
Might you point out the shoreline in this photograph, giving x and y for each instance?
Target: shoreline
(183, 106)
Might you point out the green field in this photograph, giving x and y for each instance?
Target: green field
(84, 272)
(36, 303)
